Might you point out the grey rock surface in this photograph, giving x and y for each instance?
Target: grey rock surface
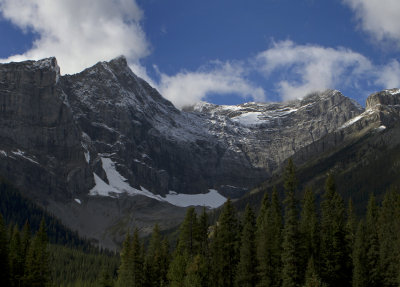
(56, 131)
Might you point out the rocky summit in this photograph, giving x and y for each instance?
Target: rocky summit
(104, 151)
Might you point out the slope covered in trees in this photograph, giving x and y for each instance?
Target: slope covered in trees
(288, 243)
(305, 245)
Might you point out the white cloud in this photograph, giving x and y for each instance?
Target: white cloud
(186, 88)
(377, 17)
(80, 32)
(303, 69)
(389, 76)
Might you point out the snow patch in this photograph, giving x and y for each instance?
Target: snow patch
(3, 153)
(118, 185)
(21, 153)
(352, 121)
(393, 91)
(381, 128)
(78, 200)
(249, 119)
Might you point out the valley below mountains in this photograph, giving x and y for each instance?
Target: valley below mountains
(104, 152)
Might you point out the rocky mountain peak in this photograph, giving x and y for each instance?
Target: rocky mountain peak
(389, 97)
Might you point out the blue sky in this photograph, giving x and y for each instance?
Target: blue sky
(222, 51)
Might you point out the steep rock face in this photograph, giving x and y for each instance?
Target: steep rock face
(40, 144)
(270, 133)
(382, 112)
(66, 139)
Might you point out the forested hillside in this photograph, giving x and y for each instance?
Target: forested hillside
(287, 243)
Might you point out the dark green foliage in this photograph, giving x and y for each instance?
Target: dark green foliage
(360, 261)
(4, 267)
(188, 235)
(105, 278)
(334, 254)
(37, 269)
(156, 261)
(372, 244)
(389, 232)
(290, 235)
(17, 258)
(246, 274)
(351, 227)
(16, 209)
(290, 180)
(226, 247)
(131, 270)
(309, 230)
(312, 278)
(269, 240)
(74, 267)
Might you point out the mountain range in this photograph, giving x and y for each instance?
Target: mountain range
(104, 152)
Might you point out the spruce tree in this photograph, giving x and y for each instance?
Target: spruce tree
(290, 245)
(16, 258)
(105, 279)
(155, 271)
(335, 259)
(195, 271)
(125, 271)
(203, 260)
(246, 274)
(372, 244)
(136, 260)
(226, 247)
(309, 230)
(269, 241)
(351, 227)
(188, 245)
(188, 234)
(360, 271)
(177, 270)
(389, 232)
(37, 270)
(312, 278)
(4, 263)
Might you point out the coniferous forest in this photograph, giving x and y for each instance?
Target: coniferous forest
(286, 243)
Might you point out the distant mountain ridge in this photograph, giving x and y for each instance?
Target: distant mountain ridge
(103, 150)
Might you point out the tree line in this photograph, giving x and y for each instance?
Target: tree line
(24, 259)
(287, 244)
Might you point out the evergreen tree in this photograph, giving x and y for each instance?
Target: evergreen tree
(188, 234)
(360, 271)
(389, 231)
(105, 279)
(177, 270)
(262, 214)
(26, 239)
(16, 258)
(195, 271)
(372, 244)
(187, 247)
(290, 245)
(351, 227)
(246, 274)
(225, 247)
(269, 241)
(125, 271)
(309, 231)
(4, 267)
(154, 267)
(312, 278)
(335, 260)
(37, 270)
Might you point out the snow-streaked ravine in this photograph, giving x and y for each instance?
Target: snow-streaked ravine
(119, 184)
